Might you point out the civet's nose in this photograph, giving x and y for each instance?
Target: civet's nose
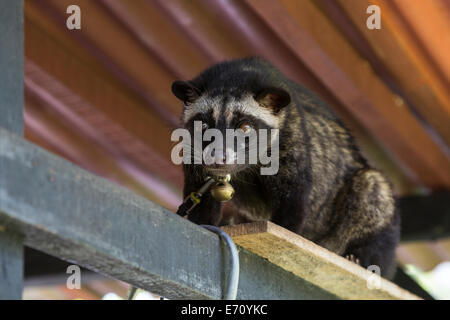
(226, 156)
(220, 156)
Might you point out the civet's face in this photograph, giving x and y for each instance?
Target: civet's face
(247, 115)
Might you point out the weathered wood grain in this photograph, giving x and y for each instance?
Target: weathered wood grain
(312, 263)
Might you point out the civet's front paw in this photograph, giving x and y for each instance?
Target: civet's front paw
(352, 258)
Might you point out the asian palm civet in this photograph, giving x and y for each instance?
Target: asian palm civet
(324, 190)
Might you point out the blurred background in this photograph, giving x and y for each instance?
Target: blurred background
(100, 97)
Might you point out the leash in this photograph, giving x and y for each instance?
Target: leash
(233, 278)
(222, 191)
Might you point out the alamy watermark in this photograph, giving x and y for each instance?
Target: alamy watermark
(74, 20)
(74, 280)
(374, 280)
(374, 20)
(253, 147)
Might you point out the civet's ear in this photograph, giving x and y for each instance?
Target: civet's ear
(185, 91)
(273, 98)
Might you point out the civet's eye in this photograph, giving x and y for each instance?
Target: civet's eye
(204, 126)
(245, 127)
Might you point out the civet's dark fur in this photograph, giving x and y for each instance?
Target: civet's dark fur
(324, 190)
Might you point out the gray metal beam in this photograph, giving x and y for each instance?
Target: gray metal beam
(11, 65)
(11, 266)
(71, 214)
(11, 118)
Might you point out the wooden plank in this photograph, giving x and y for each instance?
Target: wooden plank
(313, 263)
(113, 231)
(315, 40)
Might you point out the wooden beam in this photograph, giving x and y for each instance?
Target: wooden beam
(102, 37)
(202, 29)
(111, 230)
(145, 22)
(260, 40)
(315, 40)
(429, 21)
(315, 264)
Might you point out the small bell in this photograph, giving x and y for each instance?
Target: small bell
(223, 190)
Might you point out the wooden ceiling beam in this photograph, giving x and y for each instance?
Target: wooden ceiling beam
(126, 59)
(430, 23)
(159, 36)
(204, 30)
(395, 59)
(101, 29)
(94, 88)
(262, 41)
(305, 29)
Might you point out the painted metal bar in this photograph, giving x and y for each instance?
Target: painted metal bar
(11, 265)
(11, 65)
(71, 214)
(11, 118)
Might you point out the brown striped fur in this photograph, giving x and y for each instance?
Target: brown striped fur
(324, 190)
